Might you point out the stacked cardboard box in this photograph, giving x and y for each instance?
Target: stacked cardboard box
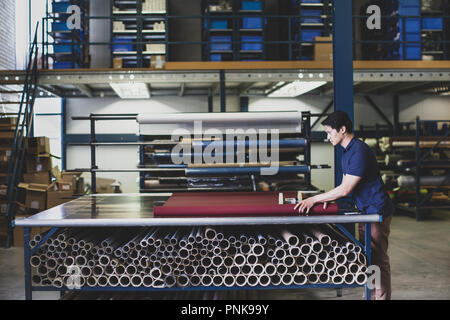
(43, 187)
(7, 127)
(323, 48)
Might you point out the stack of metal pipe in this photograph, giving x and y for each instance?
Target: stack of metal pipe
(199, 256)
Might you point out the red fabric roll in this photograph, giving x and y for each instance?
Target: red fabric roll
(233, 204)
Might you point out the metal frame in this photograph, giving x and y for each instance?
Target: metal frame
(353, 218)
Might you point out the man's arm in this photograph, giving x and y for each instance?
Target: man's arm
(349, 183)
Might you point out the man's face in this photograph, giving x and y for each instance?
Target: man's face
(334, 136)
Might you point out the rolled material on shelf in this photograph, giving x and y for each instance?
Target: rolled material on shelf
(221, 118)
(410, 142)
(246, 170)
(391, 159)
(282, 143)
(426, 163)
(371, 142)
(233, 204)
(405, 181)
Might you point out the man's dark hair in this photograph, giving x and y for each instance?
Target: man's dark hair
(337, 120)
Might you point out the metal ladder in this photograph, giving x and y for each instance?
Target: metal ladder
(22, 131)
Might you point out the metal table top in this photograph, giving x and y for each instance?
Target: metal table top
(136, 210)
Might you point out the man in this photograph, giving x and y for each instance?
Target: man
(362, 179)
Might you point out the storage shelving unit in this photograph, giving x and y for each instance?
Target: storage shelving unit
(155, 150)
(234, 30)
(68, 48)
(418, 198)
(313, 19)
(139, 31)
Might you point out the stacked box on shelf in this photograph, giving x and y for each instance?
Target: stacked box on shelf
(433, 29)
(402, 155)
(312, 22)
(139, 32)
(252, 30)
(69, 47)
(218, 30)
(410, 29)
(7, 127)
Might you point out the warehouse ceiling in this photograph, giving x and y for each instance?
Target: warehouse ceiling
(97, 83)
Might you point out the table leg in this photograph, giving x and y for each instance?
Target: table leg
(27, 266)
(368, 251)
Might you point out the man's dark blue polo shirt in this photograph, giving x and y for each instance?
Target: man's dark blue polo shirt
(370, 193)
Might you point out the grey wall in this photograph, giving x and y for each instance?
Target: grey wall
(7, 35)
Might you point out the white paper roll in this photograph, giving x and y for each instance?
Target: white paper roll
(220, 117)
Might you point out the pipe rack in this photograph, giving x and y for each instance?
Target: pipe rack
(55, 218)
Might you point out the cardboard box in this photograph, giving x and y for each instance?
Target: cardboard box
(3, 178)
(79, 188)
(7, 135)
(5, 154)
(18, 234)
(55, 198)
(117, 63)
(32, 195)
(42, 163)
(3, 205)
(37, 145)
(8, 122)
(105, 185)
(157, 61)
(37, 177)
(323, 51)
(3, 191)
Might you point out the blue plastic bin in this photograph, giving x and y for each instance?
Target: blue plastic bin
(225, 45)
(219, 24)
(250, 43)
(251, 5)
(311, 16)
(309, 35)
(413, 52)
(65, 65)
(60, 26)
(432, 23)
(121, 45)
(215, 57)
(65, 48)
(61, 6)
(252, 23)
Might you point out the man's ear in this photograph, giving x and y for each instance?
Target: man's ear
(343, 130)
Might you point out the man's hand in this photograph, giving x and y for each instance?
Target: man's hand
(307, 204)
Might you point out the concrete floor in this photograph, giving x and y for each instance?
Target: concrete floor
(420, 264)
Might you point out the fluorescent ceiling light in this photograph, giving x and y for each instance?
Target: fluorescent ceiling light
(130, 90)
(295, 89)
